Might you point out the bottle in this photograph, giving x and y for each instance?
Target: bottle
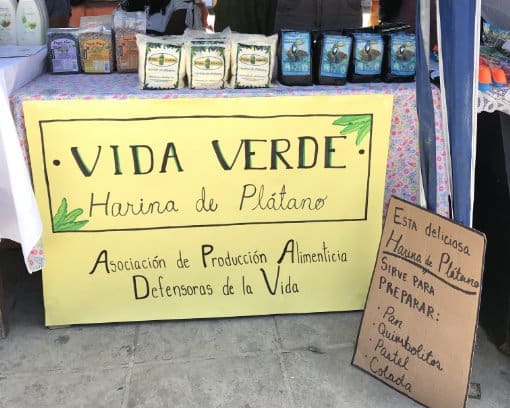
(8, 22)
(31, 22)
(46, 18)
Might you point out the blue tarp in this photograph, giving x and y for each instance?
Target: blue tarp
(459, 26)
(426, 122)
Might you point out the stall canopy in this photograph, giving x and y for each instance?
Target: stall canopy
(424, 105)
(458, 34)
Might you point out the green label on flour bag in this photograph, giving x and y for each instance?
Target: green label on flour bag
(253, 69)
(161, 66)
(207, 66)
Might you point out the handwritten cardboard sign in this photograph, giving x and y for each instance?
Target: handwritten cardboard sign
(418, 327)
(189, 208)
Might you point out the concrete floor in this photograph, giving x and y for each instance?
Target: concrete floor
(277, 361)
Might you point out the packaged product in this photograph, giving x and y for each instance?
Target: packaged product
(63, 51)
(367, 56)
(193, 34)
(252, 60)
(332, 54)
(96, 44)
(295, 58)
(125, 26)
(31, 22)
(207, 59)
(161, 62)
(399, 64)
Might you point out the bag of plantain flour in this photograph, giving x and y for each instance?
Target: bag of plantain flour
(252, 60)
(161, 62)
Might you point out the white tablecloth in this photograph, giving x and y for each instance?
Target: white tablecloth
(19, 216)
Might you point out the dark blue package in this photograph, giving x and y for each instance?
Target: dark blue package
(332, 56)
(367, 56)
(63, 51)
(295, 58)
(399, 58)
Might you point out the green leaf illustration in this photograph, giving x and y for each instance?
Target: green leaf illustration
(66, 221)
(73, 226)
(362, 132)
(60, 212)
(348, 119)
(73, 215)
(360, 124)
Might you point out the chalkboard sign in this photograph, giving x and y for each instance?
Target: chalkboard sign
(418, 327)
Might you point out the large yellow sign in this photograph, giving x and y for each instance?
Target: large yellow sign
(170, 209)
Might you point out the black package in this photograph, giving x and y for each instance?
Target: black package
(63, 57)
(332, 52)
(367, 56)
(295, 58)
(399, 64)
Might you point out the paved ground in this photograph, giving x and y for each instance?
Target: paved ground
(278, 361)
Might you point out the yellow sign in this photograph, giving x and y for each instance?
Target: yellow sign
(170, 209)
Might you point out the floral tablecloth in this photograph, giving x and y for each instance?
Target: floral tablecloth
(402, 175)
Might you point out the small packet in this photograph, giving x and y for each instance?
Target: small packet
(367, 56)
(96, 44)
(63, 51)
(333, 51)
(295, 58)
(252, 60)
(399, 63)
(125, 26)
(161, 62)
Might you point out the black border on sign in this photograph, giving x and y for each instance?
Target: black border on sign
(477, 309)
(46, 177)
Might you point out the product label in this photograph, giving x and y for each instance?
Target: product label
(29, 31)
(64, 55)
(253, 66)
(127, 52)
(335, 53)
(207, 67)
(368, 52)
(161, 66)
(30, 17)
(403, 55)
(296, 50)
(7, 29)
(96, 55)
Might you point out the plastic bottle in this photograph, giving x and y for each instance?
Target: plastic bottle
(8, 22)
(46, 17)
(31, 22)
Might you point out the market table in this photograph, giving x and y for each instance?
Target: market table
(16, 195)
(402, 176)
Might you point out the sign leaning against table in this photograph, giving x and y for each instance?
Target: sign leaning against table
(200, 207)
